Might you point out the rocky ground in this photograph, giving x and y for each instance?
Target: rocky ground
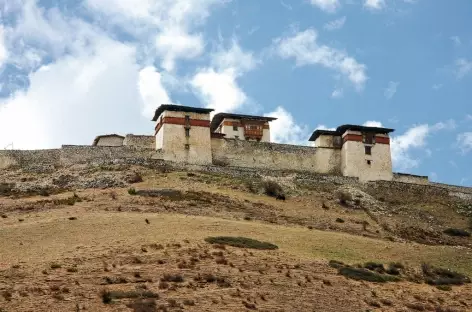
(128, 238)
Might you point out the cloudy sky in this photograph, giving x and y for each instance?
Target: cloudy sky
(72, 69)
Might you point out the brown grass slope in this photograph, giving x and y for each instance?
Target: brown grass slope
(93, 246)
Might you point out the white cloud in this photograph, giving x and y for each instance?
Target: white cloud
(372, 123)
(391, 89)
(329, 6)
(456, 40)
(74, 99)
(174, 23)
(464, 141)
(335, 24)
(217, 85)
(337, 93)
(414, 138)
(85, 90)
(286, 130)
(304, 48)
(3, 49)
(463, 67)
(152, 90)
(374, 4)
(323, 127)
(219, 90)
(175, 44)
(437, 86)
(234, 58)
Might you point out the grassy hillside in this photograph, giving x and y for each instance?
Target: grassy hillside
(121, 238)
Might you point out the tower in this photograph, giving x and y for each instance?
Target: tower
(183, 133)
(365, 152)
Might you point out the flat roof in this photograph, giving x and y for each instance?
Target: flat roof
(343, 128)
(98, 137)
(218, 118)
(180, 108)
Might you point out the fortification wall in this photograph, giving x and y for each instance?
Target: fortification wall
(34, 160)
(410, 178)
(48, 160)
(239, 153)
(144, 141)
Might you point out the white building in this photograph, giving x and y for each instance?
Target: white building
(183, 133)
(242, 127)
(108, 140)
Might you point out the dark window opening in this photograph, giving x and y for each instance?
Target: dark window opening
(187, 146)
(369, 162)
(187, 119)
(368, 150)
(187, 132)
(235, 126)
(236, 137)
(369, 138)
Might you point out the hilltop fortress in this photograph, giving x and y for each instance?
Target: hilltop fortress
(186, 135)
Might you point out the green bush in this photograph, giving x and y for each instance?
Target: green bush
(366, 275)
(272, 188)
(132, 191)
(241, 242)
(456, 232)
(439, 276)
(444, 287)
(108, 296)
(336, 264)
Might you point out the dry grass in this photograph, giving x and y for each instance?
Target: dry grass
(172, 258)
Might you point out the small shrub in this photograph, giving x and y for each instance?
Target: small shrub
(143, 305)
(59, 297)
(439, 276)
(336, 264)
(444, 287)
(132, 191)
(249, 305)
(173, 303)
(344, 197)
(15, 266)
(247, 218)
(221, 260)
(55, 288)
(43, 192)
(241, 242)
(456, 232)
(339, 220)
(134, 177)
(366, 275)
(72, 270)
(21, 220)
(66, 290)
(110, 295)
(55, 266)
(163, 285)
(324, 206)
(4, 216)
(272, 188)
(72, 218)
(175, 278)
(188, 302)
(373, 266)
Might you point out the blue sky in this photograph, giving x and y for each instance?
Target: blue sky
(70, 70)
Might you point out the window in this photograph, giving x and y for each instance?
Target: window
(369, 162)
(235, 126)
(187, 132)
(187, 146)
(369, 138)
(187, 119)
(368, 150)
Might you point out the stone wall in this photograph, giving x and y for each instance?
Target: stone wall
(144, 141)
(237, 153)
(34, 160)
(410, 178)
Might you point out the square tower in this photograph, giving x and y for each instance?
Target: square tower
(242, 127)
(365, 152)
(183, 133)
